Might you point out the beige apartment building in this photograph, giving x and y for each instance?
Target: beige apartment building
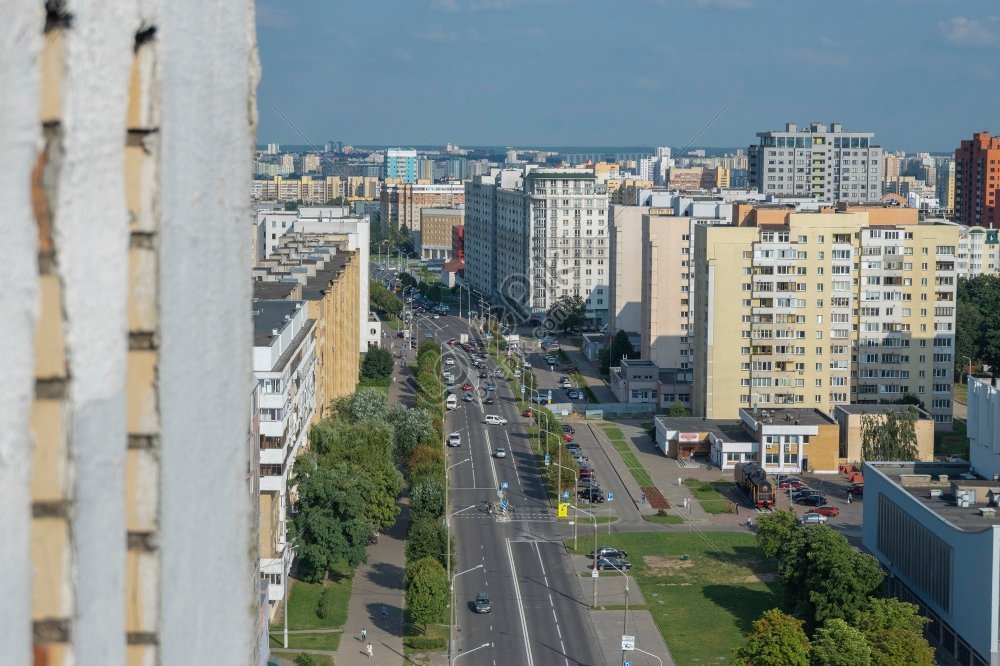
(310, 189)
(436, 224)
(400, 203)
(854, 305)
(665, 302)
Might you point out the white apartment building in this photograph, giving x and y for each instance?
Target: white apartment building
(284, 365)
(978, 251)
(271, 225)
(825, 163)
(533, 237)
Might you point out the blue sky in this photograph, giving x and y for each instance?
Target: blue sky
(922, 74)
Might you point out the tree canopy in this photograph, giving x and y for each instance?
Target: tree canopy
(891, 435)
(977, 324)
(566, 312)
(839, 644)
(426, 591)
(894, 630)
(777, 639)
(377, 363)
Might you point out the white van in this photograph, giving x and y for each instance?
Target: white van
(451, 403)
(495, 419)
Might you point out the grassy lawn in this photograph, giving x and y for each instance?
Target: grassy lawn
(708, 495)
(305, 596)
(703, 606)
(416, 641)
(381, 383)
(325, 641)
(321, 659)
(628, 455)
(961, 393)
(955, 443)
(669, 519)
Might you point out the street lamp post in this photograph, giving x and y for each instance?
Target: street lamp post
(288, 589)
(625, 615)
(451, 601)
(594, 518)
(968, 373)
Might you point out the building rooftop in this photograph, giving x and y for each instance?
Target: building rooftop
(789, 416)
(728, 430)
(274, 291)
(880, 409)
(638, 362)
(316, 286)
(269, 315)
(936, 484)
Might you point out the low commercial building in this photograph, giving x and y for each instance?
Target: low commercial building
(635, 381)
(284, 365)
(782, 441)
(849, 418)
(434, 240)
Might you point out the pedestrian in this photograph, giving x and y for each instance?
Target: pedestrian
(643, 498)
(364, 635)
(750, 523)
(848, 496)
(729, 507)
(368, 650)
(737, 505)
(385, 613)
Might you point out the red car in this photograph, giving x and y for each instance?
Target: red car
(791, 483)
(830, 511)
(858, 489)
(567, 437)
(586, 473)
(526, 413)
(467, 386)
(451, 341)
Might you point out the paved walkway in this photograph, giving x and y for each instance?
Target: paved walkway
(589, 371)
(378, 584)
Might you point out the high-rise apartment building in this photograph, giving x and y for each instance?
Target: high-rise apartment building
(400, 203)
(536, 234)
(825, 163)
(945, 189)
(400, 165)
(978, 252)
(819, 309)
(977, 181)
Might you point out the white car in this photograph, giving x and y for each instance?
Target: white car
(498, 373)
(495, 419)
(517, 374)
(454, 439)
(448, 360)
(500, 452)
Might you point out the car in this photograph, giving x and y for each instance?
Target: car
(498, 373)
(609, 562)
(517, 374)
(811, 500)
(455, 439)
(568, 437)
(429, 336)
(448, 360)
(787, 484)
(468, 397)
(482, 604)
(467, 386)
(540, 399)
(495, 419)
(858, 489)
(588, 484)
(575, 394)
(451, 341)
(799, 493)
(568, 428)
(437, 316)
(572, 445)
(527, 365)
(526, 413)
(413, 344)
(591, 495)
(828, 511)
(490, 386)
(812, 518)
(499, 452)
(586, 473)
(483, 374)
(565, 386)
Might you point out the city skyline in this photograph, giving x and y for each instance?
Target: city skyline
(454, 70)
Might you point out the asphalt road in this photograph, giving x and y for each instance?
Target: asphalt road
(536, 617)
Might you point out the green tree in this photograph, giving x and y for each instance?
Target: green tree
(824, 577)
(303, 659)
(566, 312)
(677, 409)
(621, 347)
(978, 319)
(894, 630)
(411, 427)
(377, 363)
(426, 591)
(839, 644)
(774, 532)
(364, 405)
(968, 323)
(777, 639)
(604, 360)
(426, 537)
(427, 499)
(889, 436)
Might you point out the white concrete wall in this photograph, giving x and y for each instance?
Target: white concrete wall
(209, 72)
(19, 136)
(984, 428)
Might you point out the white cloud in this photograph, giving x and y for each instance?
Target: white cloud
(971, 32)
(402, 54)
(726, 4)
(446, 5)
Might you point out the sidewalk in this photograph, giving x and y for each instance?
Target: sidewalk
(589, 372)
(378, 583)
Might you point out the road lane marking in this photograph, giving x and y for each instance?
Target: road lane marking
(516, 473)
(520, 605)
(493, 467)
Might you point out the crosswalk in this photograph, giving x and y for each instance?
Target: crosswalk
(518, 516)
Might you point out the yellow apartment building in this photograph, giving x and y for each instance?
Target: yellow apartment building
(815, 310)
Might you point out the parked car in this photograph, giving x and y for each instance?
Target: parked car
(574, 394)
(483, 603)
(788, 483)
(586, 473)
(591, 482)
(609, 562)
(526, 413)
(448, 360)
(591, 495)
(812, 518)
(567, 437)
(828, 511)
(798, 494)
(455, 439)
(517, 373)
(858, 489)
(451, 341)
(568, 428)
(499, 452)
(811, 500)
(570, 446)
